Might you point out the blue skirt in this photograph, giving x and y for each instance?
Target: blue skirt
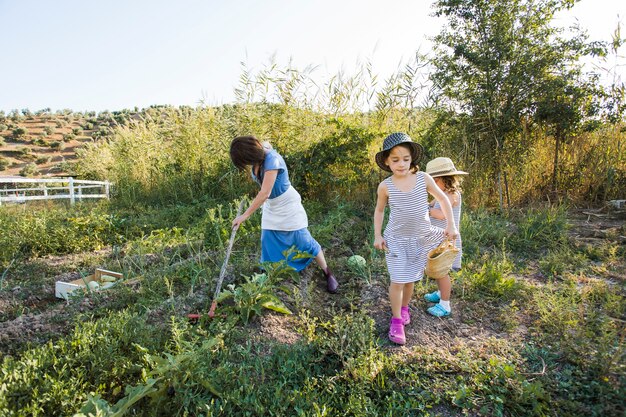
(275, 242)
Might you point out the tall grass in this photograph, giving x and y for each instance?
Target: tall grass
(334, 128)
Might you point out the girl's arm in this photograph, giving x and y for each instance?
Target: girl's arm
(269, 178)
(437, 213)
(379, 214)
(431, 187)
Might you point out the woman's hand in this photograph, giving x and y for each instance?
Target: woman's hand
(238, 220)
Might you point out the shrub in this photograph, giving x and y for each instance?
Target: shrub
(59, 230)
(4, 163)
(29, 170)
(49, 130)
(19, 132)
(68, 137)
(43, 159)
(3, 127)
(57, 145)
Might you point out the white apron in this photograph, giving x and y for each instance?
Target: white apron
(284, 212)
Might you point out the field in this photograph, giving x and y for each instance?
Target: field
(539, 312)
(537, 328)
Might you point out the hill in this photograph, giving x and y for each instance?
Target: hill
(44, 144)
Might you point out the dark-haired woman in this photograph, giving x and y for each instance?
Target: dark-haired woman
(284, 223)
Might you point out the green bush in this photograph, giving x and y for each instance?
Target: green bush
(69, 137)
(43, 159)
(57, 146)
(19, 132)
(29, 170)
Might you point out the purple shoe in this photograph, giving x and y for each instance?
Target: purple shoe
(406, 315)
(396, 331)
(331, 282)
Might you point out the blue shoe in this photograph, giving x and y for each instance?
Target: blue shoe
(438, 311)
(432, 297)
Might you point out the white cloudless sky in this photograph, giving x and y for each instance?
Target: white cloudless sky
(116, 54)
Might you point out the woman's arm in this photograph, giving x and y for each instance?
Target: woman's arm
(444, 202)
(379, 214)
(266, 189)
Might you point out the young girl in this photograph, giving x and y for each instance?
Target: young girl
(408, 235)
(448, 179)
(284, 222)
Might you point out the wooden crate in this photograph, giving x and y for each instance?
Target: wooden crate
(65, 289)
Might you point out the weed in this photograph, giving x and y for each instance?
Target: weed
(491, 280)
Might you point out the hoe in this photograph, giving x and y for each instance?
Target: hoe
(218, 287)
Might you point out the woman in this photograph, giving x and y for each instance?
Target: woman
(284, 223)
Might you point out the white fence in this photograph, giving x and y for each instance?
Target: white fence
(20, 190)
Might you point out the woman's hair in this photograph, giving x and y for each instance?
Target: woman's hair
(414, 156)
(245, 151)
(451, 183)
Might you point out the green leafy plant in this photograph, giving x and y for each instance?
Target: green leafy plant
(258, 291)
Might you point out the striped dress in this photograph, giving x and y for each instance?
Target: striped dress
(456, 211)
(409, 234)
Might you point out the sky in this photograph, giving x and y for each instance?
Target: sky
(95, 55)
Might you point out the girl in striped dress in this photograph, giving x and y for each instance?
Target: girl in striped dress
(448, 179)
(408, 235)
(284, 223)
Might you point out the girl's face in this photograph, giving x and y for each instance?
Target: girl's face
(399, 161)
(440, 183)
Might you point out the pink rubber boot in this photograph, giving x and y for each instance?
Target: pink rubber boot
(396, 331)
(406, 316)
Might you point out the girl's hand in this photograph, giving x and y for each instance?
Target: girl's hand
(451, 232)
(238, 220)
(379, 243)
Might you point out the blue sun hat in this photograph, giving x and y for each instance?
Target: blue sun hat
(396, 139)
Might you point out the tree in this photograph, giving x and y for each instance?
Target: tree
(491, 61)
(567, 100)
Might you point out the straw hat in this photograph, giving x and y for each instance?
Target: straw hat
(442, 167)
(396, 139)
